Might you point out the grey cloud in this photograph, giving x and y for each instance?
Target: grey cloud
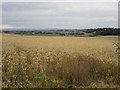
(59, 14)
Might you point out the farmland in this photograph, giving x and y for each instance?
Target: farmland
(59, 61)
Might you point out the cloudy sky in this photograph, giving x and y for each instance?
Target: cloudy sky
(59, 14)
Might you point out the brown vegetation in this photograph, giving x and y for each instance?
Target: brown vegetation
(34, 62)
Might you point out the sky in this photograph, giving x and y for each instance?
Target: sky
(65, 15)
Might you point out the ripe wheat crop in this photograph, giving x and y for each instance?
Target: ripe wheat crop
(56, 61)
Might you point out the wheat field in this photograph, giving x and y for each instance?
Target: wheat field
(59, 61)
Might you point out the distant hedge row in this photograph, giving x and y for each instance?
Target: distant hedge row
(104, 31)
(42, 33)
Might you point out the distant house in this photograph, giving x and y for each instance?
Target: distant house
(83, 35)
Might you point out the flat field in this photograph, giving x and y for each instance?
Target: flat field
(59, 61)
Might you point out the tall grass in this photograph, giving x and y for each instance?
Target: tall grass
(33, 68)
(39, 68)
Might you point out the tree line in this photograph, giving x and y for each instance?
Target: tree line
(104, 31)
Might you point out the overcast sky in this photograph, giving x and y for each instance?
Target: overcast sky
(60, 14)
